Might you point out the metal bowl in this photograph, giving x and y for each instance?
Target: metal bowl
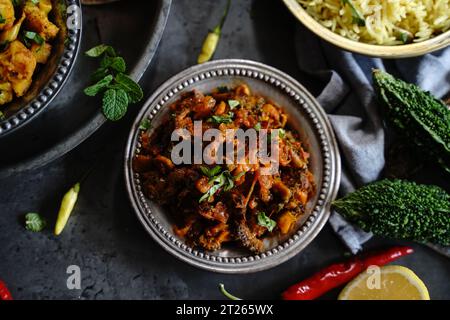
(382, 51)
(50, 79)
(307, 117)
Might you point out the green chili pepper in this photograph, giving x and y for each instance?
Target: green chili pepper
(67, 205)
(212, 39)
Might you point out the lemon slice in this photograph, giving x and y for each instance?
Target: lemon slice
(386, 283)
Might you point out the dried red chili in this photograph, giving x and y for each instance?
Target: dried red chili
(4, 292)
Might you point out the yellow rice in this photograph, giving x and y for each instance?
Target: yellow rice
(387, 22)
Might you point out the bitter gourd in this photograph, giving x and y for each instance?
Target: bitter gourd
(421, 118)
(400, 209)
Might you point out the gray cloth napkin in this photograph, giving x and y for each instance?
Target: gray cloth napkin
(348, 98)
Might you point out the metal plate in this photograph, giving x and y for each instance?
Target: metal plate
(48, 81)
(307, 117)
(72, 117)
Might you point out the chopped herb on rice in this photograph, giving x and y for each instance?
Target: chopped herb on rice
(382, 22)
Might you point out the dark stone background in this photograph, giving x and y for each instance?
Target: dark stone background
(118, 259)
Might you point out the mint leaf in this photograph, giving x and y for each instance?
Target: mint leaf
(97, 51)
(224, 179)
(257, 126)
(34, 222)
(99, 74)
(145, 124)
(133, 89)
(210, 192)
(272, 135)
(2, 20)
(265, 221)
(35, 1)
(115, 63)
(100, 85)
(115, 104)
(233, 104)
(227, 118)
(121, 89)
(228, 181)
(210, 172)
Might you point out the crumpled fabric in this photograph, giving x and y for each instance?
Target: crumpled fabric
(348, 97)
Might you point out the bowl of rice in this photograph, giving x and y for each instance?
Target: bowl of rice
(380, 28)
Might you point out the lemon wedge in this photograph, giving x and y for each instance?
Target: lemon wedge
(386, 283)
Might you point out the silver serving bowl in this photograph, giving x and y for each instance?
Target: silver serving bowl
(51, 78)
(306, 116)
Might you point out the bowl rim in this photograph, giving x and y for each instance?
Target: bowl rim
(54, 85)
(327, 191)
(381, 51)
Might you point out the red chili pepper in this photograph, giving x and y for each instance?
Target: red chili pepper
(341, 273)
(4, 292)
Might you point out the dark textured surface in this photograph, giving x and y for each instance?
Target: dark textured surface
(117, 258)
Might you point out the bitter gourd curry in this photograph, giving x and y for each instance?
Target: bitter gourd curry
(26, 33)
(229, 202)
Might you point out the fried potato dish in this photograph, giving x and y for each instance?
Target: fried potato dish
(26, 33)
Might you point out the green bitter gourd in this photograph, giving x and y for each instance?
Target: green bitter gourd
(420, 117)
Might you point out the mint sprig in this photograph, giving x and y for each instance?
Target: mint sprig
(217, 180)
(99, 50)
(118, 89)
